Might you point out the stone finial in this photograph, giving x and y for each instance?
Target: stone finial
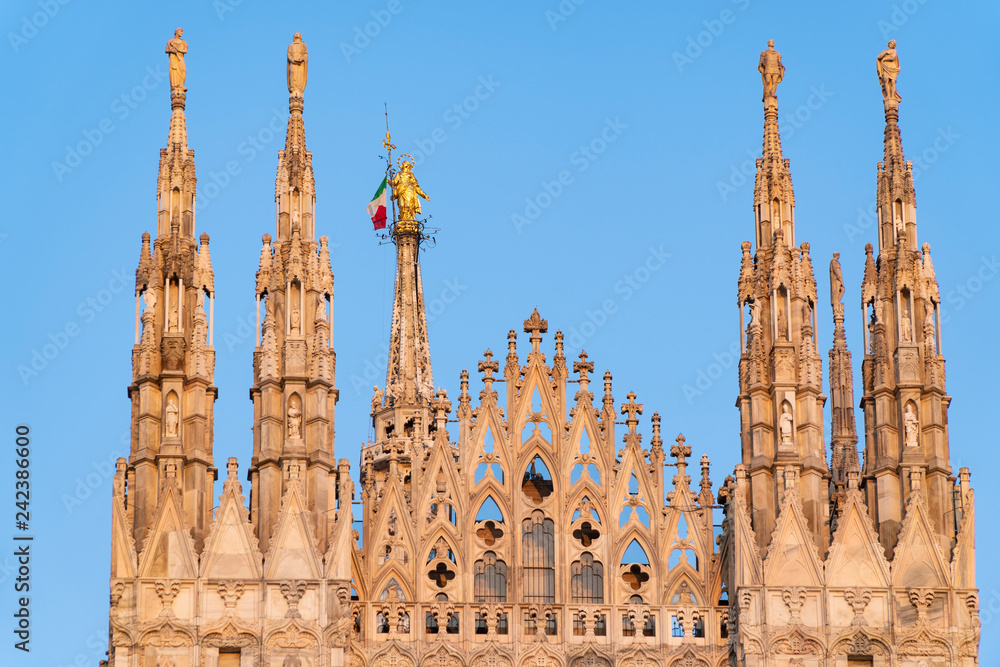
(535, 324)
(632, 409)
(232, 467)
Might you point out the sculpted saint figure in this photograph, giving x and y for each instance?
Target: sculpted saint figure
(907, 327)
(176, 48)
(295, 321)
(171, 420)
(149, 298)
(172, 323)
(298, 65)
(836, 279)
(887, 66)
(785, 425)
(406, 191)
(910, 426)
(771, 70)
(376, 399)
(294, 418)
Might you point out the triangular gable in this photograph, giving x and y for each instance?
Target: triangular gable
(791, 556)
(292, 553)
(168, 550)
(441, 461)
(124, 562)
(231, 549)
(963, 561)
(747, 564)
(337, 561)
(856, 556)
(917, 561)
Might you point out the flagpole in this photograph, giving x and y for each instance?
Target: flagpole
(388, 166)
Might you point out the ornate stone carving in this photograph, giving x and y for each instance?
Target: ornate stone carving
(858, 598)
(293, 592)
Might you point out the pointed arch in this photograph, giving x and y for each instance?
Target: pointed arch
(489, 510)
(537, 484)
(634, 552)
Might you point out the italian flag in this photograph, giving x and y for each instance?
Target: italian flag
(376, 208)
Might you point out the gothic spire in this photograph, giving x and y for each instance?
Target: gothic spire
(409, 380)
(176, 183)
(294, 391)
(895, 196)
(774, 200)
(173, 361)
(781, 401)
(842, 428)
(905, 404)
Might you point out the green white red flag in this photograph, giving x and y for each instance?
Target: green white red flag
(376, 208)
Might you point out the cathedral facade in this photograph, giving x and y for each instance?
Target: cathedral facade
(538, 530)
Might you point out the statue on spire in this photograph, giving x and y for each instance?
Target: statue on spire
(771, 70)
(887, 66)
(406, 191)
(298, 66)
(176, 48)
(836, 280)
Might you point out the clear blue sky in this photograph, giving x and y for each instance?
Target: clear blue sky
(673, 89)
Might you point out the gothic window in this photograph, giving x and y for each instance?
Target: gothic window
(490, 579)
(676, 629)
(538, 557)
(587, 580)
(441, 574)
(489, 510)
(640, 514)
(537, 482)
(580, 470)
(586, 533)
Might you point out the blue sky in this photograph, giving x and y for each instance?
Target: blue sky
(496, 102)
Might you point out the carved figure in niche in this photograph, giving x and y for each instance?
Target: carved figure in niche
(294, 418)
(836, 279)
(907, 328)
(149, 298)
(929, 326)
(171, 418)
(298, 65)
(911, 425)
(887, 66)
(172, 322)
(754, 312)
(771, 70)
(376, 399)
(320, 309)
(785, 425)
(406, 191)
(295, 320)
(782, 323)
(176, 48)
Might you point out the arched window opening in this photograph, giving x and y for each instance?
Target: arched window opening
(587, 580)
(538, 557)
(590, 470)
(489, 510)
(490, 579)
(640, 512)
(537, 482)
